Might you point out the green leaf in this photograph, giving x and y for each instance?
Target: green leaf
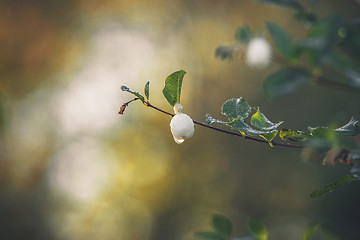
(221, 225)
(236, 108)
(243, 34)
(147, 94)
(138, 95)
(285, 81)
(331, 187)
(260, 121)
(284, 3)
(352, 128)
(257, 229)
(172, 89)
(209, 236)
(292, 135)
(319, 131)
(210, 120)
(245, 129)
(309, 231)
(281, 38)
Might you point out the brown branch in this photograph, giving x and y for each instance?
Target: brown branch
(231, 133)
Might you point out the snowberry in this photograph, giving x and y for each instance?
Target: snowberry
(258, 53)
(182, 126)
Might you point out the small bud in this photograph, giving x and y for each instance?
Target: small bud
(258, 53)
(181, 125)
(178, 108)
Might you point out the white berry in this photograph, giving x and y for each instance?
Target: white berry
(181, 125)
(258, 53)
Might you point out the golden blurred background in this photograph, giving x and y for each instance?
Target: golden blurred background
(72, 168)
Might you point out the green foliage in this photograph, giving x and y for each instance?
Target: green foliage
(236, 108)
(138, 95)
(221, 227)
(309, 231)
(147, 94)
(288, 134)
(331, 187)
(281, 38)
(172, 89)
(257, 229)
(243, 34)
(285, 81)
(352, 128)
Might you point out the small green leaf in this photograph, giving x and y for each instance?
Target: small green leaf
(257, 229)
(209, 236)
(210, 120)
(292, 135)
(221, 225)
(281, 38)
(243, 34)
(331, 187)
(352, 128)
(172, 89)
(260, 121)
(147, 94)
(284, 3)
(227, 51)
(236, 108)
(309, 231)
(126, 89)
(285, 81)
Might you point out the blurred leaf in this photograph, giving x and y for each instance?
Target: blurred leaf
(331, 187)
(221, 224)
(292, 135)
(124, 88)
(285, 3)
(210, 236)
(309, 231)
(281, 38)
(285, 81)
(352, 128)
(147, 90)
(319, 131)
(260, 121)
(227, 52)
(352, 38)
(245, 129)
(210, 120)
(243, 34)
(257, 229)
(172, 89)
(236, 108)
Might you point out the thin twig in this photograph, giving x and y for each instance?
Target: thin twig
(231, 133)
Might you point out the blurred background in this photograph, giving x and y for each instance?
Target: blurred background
(72, 168)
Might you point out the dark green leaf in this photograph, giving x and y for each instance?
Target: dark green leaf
(243, 34)
(236, 108)
(331, 187)
(126, 89)
(211, 120)
(172, 89)
(285, 3)
(260, 121)
(309, 231)
(221, 225)
(352, 128)
(257, 229)
(285, 81)
(292, 135)
(147, 90)
(226, 52)
(209, 236)
(281, 38)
